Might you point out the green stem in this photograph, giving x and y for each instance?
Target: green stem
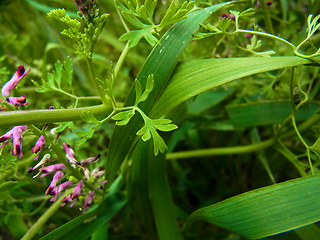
(303, 142)
(95, 83)
(121, 59)
(221, 151)
(44, 217)
(16, 118)
(269, 36)
(76, 97)
(241, 149)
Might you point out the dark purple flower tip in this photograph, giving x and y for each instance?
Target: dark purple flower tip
(230, 16)
(30, 170)
(65, 200)
(15, 79)
(17, 101)
(268, 3)
(88, 8)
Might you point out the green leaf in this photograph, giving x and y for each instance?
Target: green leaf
(89, 117)
(150, 7)
(68, 67)
(135, 36)
(266, 211)
(174, 14)
(150, 130)
(148, 89)
(270, 112)
(58, 67)
(209, 99)
(196, 76)
(63, 126)
(7, 185)
(138, 88)
(123, 117)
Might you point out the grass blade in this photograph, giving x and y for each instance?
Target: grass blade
(267, 211)
(197, 76)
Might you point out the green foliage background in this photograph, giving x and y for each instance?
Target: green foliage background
(248, 122)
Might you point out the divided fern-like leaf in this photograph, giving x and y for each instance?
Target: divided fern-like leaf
(123, 117)
(150, 130)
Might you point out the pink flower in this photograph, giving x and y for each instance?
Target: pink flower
(74, 195)
(52, 168)
(59, 189)
(70, 154)
(17, 101)
(87, 201)
(15, 79)
(248, 35)
(16, 135)
(90, 159)
(38, 147)
(54, 181)
(76, 191)
(41, 163)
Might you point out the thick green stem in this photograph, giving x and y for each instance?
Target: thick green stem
(16, 118)
(44, 217)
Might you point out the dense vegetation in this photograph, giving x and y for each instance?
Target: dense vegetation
(131, 119)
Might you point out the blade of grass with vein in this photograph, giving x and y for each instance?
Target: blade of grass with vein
(266, 211)
(270, 112)
(161, 62)
(196, 76)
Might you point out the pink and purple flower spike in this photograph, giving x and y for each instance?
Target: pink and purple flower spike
(15, 79)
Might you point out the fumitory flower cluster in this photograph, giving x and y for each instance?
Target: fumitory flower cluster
(95, 177)
(46, 166)
(15, 134)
